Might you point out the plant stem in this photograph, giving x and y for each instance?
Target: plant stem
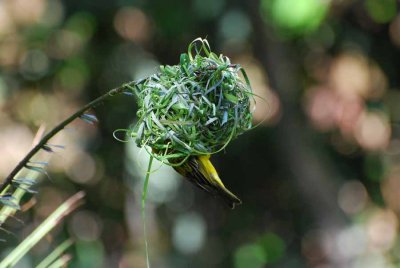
(8, 180)
(55, 254)
(42, 230)
(143, 209)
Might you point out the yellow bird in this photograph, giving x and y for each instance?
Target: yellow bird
(200, 171)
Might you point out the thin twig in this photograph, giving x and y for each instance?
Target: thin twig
(8, 180)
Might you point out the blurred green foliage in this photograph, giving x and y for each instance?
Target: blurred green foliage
(295, 17)
(381, 11)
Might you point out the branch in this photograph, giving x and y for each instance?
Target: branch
(8, 180)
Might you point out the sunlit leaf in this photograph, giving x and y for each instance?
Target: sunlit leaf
(55, 254)
(42, 230)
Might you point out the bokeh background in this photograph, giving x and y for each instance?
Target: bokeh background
(319, 178)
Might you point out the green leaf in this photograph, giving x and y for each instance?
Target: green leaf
(231, 98)
(184, 62)
(179, 106)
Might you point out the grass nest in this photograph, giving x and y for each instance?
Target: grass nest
(194, 108)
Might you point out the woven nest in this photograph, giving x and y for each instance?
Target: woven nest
(194, 108)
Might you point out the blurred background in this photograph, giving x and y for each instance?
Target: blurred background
(319, 178)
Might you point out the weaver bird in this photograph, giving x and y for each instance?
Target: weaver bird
(200, 171)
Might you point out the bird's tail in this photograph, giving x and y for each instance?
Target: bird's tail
(210, 175)
(228, 197)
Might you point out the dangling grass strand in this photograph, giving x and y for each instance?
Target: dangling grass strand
(143, 209)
